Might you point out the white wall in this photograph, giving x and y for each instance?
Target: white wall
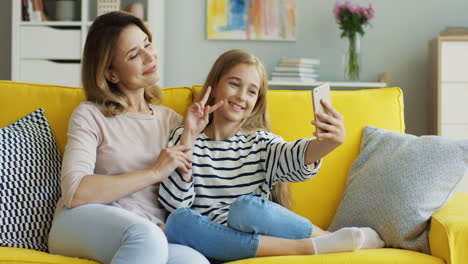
(396, 42)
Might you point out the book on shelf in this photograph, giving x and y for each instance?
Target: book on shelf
(33, 10)
(294, 69)
(294, 74)
(307, 61)
(293, 79)
(299, 65)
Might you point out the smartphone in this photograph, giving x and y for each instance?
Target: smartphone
(321, 92)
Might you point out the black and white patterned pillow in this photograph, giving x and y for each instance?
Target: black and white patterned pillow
(29, 182)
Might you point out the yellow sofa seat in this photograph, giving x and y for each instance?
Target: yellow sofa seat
(290, 114)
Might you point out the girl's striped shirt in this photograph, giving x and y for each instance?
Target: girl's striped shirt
(250, 162)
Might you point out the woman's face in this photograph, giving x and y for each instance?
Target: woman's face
(134, 65)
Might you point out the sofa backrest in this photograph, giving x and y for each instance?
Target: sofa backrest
(19, 99)
(290, 114)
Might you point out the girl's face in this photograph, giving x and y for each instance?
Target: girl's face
(135, 62)
(239, 89)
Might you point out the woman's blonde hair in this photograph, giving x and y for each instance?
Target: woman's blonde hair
(98, 54)
(258, 119)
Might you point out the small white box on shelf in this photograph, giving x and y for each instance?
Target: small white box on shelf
(106, 6)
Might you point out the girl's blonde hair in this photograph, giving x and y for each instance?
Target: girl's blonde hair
(258, 119)
(98, 54)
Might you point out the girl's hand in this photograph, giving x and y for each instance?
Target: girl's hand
(198, 113)
(333, 124)
(170, 159)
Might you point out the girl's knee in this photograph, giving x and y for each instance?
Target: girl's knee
(246, 209)
(177, 224)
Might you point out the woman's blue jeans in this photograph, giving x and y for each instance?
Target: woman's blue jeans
(249, 217)
(113, 235)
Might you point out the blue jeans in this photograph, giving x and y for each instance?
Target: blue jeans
(109, 234)
(249, 217)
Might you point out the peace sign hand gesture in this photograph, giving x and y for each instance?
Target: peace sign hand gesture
(198, 113)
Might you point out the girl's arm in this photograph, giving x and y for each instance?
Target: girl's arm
(196, 119)
(333, 124)
(175, 191)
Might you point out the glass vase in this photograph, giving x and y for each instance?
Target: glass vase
(352, 58)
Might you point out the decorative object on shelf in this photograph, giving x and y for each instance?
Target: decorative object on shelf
(65, 10)
(352, 18)
(106, 6)
(33, 10)
(137, 9)
(251, 19)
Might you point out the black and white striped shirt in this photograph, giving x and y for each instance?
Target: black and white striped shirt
(250, 162)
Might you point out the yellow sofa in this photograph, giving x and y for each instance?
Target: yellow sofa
(316, 199)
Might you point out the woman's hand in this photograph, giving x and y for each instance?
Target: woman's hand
(332, 122)
(197, 116)
(170, 159)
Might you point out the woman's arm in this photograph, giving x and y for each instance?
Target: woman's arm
(108, 188)
(333, 124)
(79, 183)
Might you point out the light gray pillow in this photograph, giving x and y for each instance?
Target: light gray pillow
(397, 182)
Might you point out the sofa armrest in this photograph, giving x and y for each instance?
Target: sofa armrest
(448, 235)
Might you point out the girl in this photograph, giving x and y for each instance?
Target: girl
(236, 165)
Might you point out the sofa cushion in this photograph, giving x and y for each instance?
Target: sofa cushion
(29, 181)
(397, 182)
(372, 256)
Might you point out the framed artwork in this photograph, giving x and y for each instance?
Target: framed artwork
(251, 19)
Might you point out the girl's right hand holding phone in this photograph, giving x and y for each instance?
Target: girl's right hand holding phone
(332, 123)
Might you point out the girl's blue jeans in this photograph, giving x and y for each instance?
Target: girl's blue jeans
(113, 235)
(249, 217)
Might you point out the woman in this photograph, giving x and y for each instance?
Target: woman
(115, 157)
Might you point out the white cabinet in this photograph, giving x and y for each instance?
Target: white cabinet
(50, 51)
(449, 81)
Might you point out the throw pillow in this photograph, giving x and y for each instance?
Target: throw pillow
(29, 182)
(397, 182)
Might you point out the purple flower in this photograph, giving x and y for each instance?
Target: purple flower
(336, 10)
(352, 17)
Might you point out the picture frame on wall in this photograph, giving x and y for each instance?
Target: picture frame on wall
(251, 20)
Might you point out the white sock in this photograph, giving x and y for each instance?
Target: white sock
(371, 239)
(343, 240)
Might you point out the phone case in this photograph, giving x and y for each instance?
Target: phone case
(319, 93)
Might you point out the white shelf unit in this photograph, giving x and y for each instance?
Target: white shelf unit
(449, 82)
(50, 51)
(332, 84)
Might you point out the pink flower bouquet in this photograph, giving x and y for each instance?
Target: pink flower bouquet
(352, 18)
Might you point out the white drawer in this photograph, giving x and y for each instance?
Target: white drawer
(49, 72)
(455, 131)
(454, 59)
(50, 43)
(454, 102)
